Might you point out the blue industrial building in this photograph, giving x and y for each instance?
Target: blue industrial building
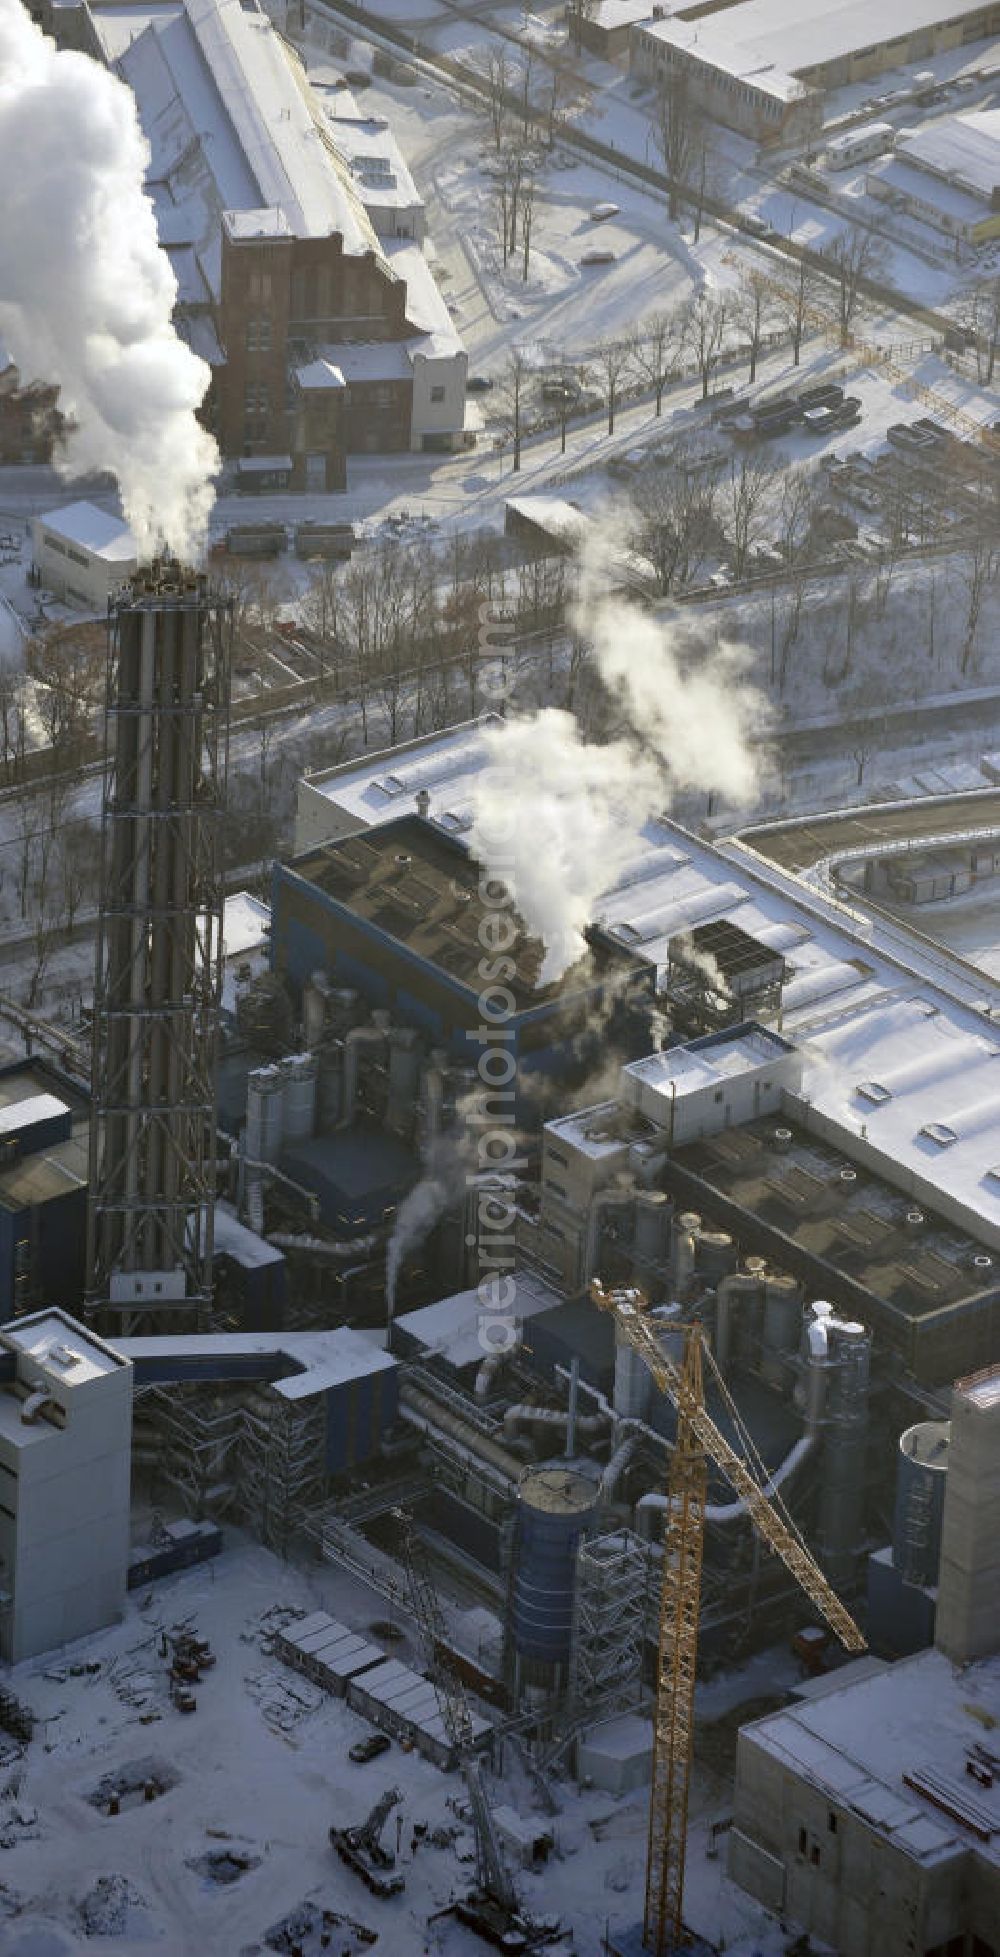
(397, 914)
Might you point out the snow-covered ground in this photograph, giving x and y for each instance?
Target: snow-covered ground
(261, 1770)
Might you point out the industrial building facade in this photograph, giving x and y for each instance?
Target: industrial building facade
(763, 66)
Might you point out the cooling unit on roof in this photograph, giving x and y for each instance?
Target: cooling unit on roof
(873, 1090)
(939, 1132)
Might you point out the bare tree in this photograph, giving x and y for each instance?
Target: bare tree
(857, 256)
(976, 569)
(676, 509)
(751, 314)
(704, 327)
(751, 482)
(655, 349)
(527, 215)
(578, 13)
(675, 133)
(501, 199)
(612, 357)
(527, 108)
(980, 315)
(498, 77)
(512, 400)
(795, 304)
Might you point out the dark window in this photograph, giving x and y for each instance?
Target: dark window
(437, 393)
(831, 1822)
(802, 1841)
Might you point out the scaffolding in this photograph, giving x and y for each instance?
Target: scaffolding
(283, 1471)
(611, 1604)
(197, 1431)
(159, 955)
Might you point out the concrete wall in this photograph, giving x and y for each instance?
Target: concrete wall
(800, 1852)
(968, 1613)
(439, 422)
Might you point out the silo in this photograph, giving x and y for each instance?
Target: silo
(845, 1431)
(265, 1114)
(300, 1071)
(556, 1506)
(653, 1210)
(922, 1477)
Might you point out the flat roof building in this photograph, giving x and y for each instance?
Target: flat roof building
(83, 554)
(762, 66)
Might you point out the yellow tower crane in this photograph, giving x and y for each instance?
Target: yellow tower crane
(698, 1441)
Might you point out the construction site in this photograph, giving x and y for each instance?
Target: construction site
(462, 1469)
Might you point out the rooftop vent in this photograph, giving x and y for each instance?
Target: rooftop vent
(939, 1133)
(873, 1090)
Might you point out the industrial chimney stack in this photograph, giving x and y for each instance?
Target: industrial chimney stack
(159, 955)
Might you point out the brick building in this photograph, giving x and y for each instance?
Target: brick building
(325, 331)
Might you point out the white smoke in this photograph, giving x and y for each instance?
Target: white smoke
(87, 294)
(556, 820)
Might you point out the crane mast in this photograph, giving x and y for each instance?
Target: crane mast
(698, 1441)
(456, 1715)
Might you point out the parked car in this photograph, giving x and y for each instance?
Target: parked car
(560, 390)
(821, 421)
(601, 212)
(370, 1749)
(848, 413)
(825, 394)
(478, 384)
(768, 426)
(597, 256)
(901, 435)
(751, 221)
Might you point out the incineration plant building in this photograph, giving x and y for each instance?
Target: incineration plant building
(294, 232)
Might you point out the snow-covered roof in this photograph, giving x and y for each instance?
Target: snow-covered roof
(451, 1329)
(319, 374)
(682, 1070)
(246, 921)
(863, 1003)
(93, 530)
(425, 305)
(62, 1350)
(718, 48)
(964, 149)
(322, 1359)
(386, 784)
(803, 34)
(869, 1745)
(229, 115)
(370, 360)
(373, 156)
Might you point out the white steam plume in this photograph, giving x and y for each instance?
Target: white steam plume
(692, 711)
(87, 294)
(556, 820)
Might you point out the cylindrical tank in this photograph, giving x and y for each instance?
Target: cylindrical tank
(556, 1505)
(265, 1114)
(300, 1072)
(922, 1477)
(845, 1423)
(782, 1321)
(716, 1254)
(652, 1221)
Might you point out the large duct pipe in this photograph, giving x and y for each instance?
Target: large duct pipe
(589, 1426)
(605, 1201)
(723, 1513)
(459, 1437)
(491, 1369)
(615, 1471)
(335, 1248)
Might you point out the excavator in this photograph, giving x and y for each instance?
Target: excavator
(361, 1848)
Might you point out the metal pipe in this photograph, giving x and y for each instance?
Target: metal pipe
(588, 1425)
(458, 1437)
(571, 1420)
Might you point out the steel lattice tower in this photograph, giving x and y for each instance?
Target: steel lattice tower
(159, 954)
